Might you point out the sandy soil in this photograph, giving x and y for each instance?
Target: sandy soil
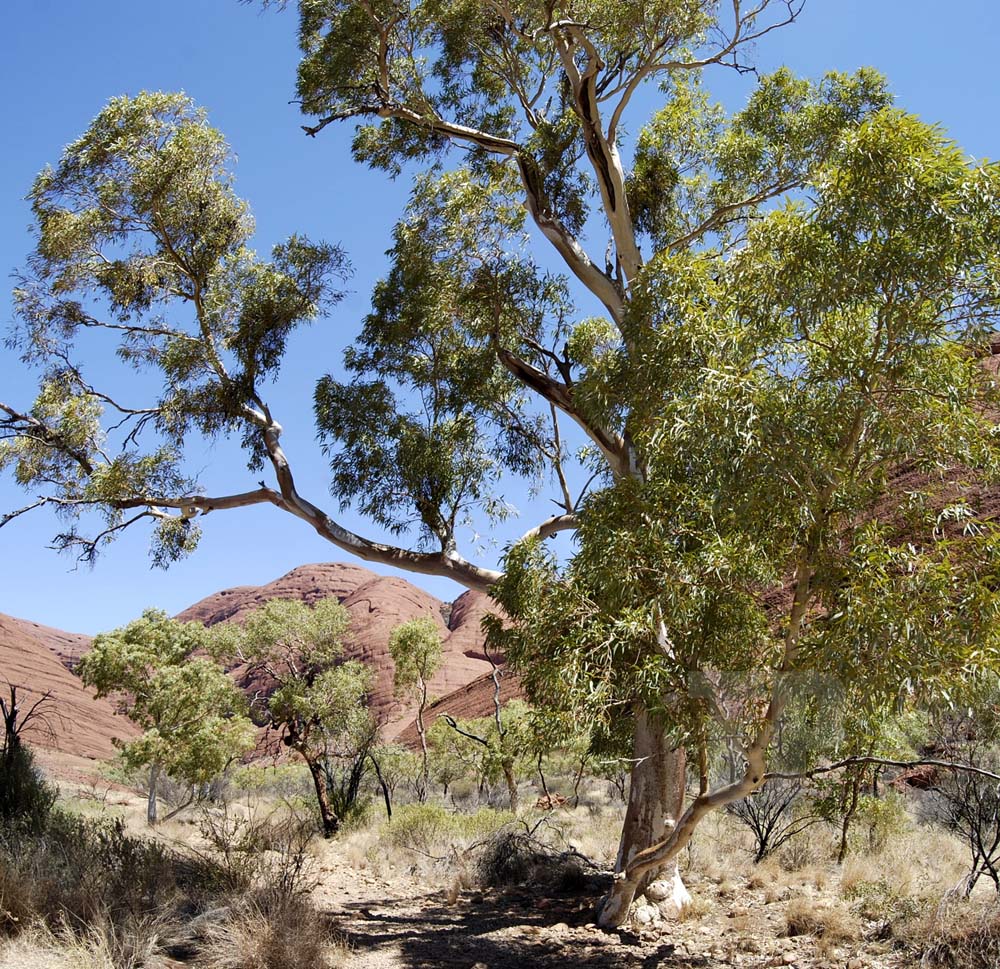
(395, 923)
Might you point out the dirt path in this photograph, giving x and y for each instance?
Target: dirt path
(479, 931)
(396, 923)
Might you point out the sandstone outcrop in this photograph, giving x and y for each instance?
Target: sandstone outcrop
(37, 660)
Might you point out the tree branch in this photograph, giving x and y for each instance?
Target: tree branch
(552, 526)
(884, 762)
(612, 445)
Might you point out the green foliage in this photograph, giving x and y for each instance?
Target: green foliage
(454, 291)
(74, 873)
(142, 244)
(415, 648)
(431, 827)
(780, 389)
(316, 701)
(192, 715)
(145, 902)
(802, 333)
(26, 798)
(879, 820)
(879, 901)
(480, 747)
(397, 764)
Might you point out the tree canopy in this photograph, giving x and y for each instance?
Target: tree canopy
(310, 695)
(721, 340)
(192, 716)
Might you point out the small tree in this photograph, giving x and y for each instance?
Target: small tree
(415, 647)
(771, 815)
(192, 715)
(25, 797)
(393, 765)
(453, 756)
(315, 701)
(503, 745)
(967, 732)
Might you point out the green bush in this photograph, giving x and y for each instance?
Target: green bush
(25, 798)
(878, 820)
(429, 827)
(878, 901)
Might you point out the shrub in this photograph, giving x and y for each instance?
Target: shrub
(25, 798)
(830, 922)
(774, 815)
(969, 804)
(420, 827)
(512, 857)
(878, 901)
(247, 850)
(270, 930)
(125, 900)
(963, 938)
(880, 819)
(427, 828)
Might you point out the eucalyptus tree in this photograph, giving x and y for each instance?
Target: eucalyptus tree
(527, 131)
(415, 648)
(307, 692)
(522, 127)
(193, 718)
(818, 418)
(787, 303)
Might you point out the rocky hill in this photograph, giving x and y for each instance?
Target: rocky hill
(377, 604)
(41, 659)
(37, 660)
(469, 702)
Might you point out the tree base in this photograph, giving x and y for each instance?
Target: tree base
(666, 898)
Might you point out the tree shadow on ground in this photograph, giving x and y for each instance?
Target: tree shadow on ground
(507, 930)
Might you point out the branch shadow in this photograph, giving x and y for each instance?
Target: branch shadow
(509, 930)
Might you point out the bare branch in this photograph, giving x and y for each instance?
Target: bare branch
(560, 395)
(884, 762)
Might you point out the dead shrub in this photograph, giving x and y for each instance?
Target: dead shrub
(270, 930)
(248, 850)
(513, 857)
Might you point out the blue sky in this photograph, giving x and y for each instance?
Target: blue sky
(60, 60)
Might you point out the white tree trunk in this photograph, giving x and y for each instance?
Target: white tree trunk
(655, 801)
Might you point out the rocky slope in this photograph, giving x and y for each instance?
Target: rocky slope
(39, 658)
(468, 702)
(377, 604)
(36, 659)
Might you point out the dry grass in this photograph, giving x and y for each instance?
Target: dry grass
(959, 935)
(98, 948)
(268, 932)
(825, 919)
(699, 907)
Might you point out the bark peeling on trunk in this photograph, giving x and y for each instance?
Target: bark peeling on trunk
(655, 802)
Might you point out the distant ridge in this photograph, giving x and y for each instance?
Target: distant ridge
(40, 658)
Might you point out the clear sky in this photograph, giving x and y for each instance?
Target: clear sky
(60, 60)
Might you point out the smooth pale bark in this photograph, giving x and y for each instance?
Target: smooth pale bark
(655, 802)
(422, 734)
(154, 777)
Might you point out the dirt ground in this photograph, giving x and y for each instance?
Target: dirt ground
(396, 923)
(394, 915)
